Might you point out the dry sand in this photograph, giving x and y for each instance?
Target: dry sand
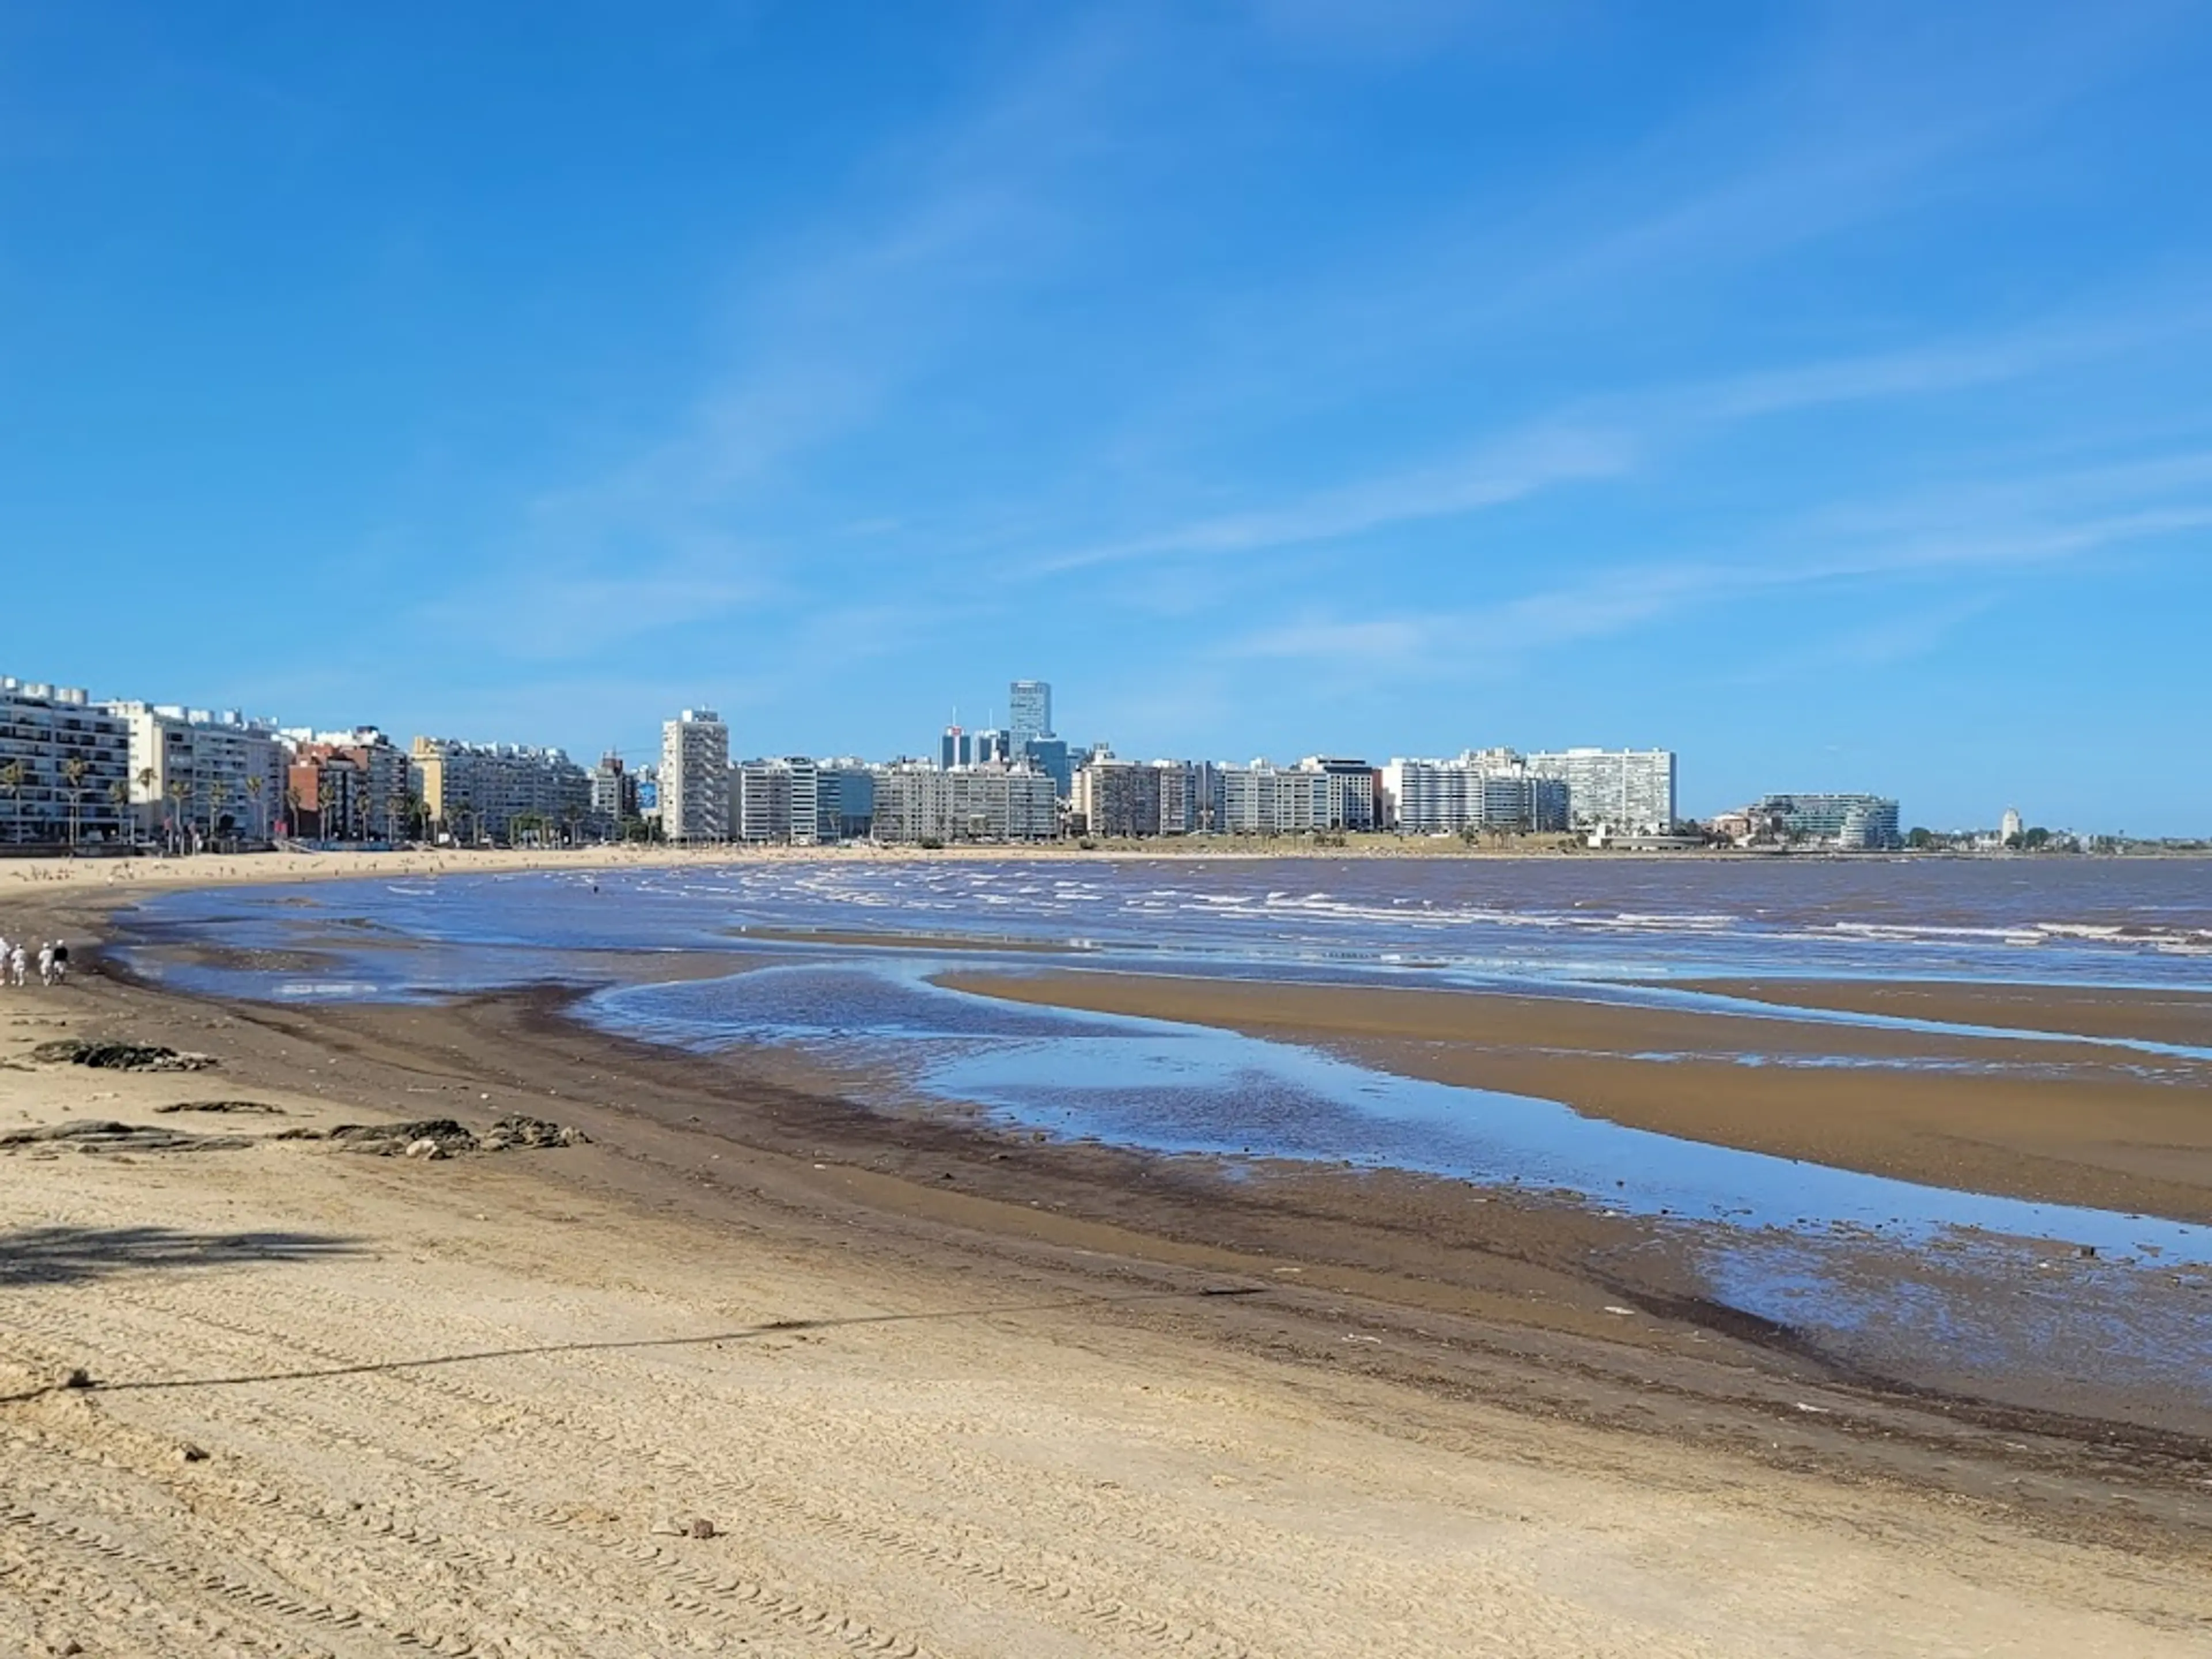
(342, 1404)
(2094, 1131)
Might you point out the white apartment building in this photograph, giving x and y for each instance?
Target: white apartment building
(1348, 797)
(1631, 791)
(64, 767)
(480, 790)
(976, 802)
(203, 774)
(1486, 790)
(760, 801)
(1264, 799)
(806, 800)
(777, 800)
(694, 777)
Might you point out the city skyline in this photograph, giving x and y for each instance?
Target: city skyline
(1638, 787)
(1816, 392)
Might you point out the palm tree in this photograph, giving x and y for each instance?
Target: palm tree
(74, 769)
(291, 809)
(119, 795)
(179, 793)
(254, 785)
(218, 792)
(11, 783)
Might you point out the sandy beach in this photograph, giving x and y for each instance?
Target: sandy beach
(753, 1367)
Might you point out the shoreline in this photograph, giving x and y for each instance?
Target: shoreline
(45, 873)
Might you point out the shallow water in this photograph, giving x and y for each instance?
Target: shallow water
(1792, 1241)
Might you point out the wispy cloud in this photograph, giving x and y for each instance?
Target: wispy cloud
(821, 339)
(1492, 639)
(1490, 476)
(1607, 436)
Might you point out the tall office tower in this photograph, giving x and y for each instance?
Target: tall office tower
(694, 777)
(955, 748)
(1049, 756)
(1029, 713)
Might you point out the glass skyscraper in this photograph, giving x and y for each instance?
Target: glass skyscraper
(1028, 712)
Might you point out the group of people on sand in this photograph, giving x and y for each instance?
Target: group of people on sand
(15, 960)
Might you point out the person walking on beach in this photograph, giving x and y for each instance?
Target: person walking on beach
(46, 962)
(61, 962)
(16, 964)
(4, 975)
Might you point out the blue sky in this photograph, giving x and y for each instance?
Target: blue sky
(1818, 391)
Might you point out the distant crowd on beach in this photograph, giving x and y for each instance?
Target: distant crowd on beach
(16, 959)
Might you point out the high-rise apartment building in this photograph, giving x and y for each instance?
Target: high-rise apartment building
(1264, 800)
(347, 786)
(760, 801)
(976, 802)
(502, 792)
(64, 765)
(1029, 713)
(1349, 792)
(777, 801)
(614, 794)
(204, 774)
(1178, 794)
(694, 777)
(1631, 791)
(1118, 797)
(1489, 790)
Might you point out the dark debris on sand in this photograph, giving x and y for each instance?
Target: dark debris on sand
(120, 1056)
(442, 1137)
(105, 1135)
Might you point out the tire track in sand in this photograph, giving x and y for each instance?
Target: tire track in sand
(1049, 1585)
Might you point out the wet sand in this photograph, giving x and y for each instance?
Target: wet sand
(2096, 1133)
(1088, 1400)
(2182, 1018)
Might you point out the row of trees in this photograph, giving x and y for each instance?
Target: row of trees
(15, 775)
